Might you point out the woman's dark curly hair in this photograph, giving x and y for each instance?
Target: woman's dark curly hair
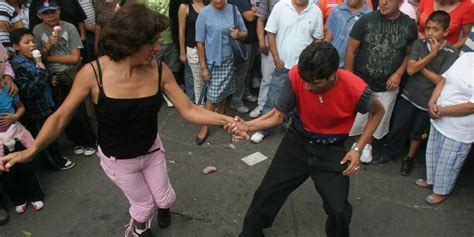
(132, 27)
(318, 61)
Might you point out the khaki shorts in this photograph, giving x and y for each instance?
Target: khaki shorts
(387, 98)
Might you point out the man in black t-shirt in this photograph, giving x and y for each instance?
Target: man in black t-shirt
(377, 52)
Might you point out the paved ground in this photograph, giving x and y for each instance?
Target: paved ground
(83, 202)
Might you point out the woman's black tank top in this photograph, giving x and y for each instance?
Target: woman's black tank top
(191, 27)
(127, 128)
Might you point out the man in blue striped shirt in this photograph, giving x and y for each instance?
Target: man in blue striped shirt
(9, 21)
(340, 23)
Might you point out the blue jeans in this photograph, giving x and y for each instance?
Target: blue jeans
(276, 85)
(188, 81)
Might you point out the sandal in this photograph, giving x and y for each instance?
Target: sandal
(434, 199)
(422, 183)
(79, 150)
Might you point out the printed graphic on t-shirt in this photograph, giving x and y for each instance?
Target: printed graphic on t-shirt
(386, 44)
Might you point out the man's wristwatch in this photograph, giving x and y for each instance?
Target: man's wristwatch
(357, 149)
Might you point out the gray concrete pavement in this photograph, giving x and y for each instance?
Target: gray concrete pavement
(83, 202)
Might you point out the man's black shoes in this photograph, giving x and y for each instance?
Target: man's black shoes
(407, 166)
(380, 160)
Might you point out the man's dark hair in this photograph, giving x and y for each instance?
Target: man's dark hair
(16, 35)
(440, 17)
(318, 61)
(132, 27)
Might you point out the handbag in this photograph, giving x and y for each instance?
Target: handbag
(238, 50)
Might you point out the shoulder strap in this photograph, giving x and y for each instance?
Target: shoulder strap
(160, 72)
(100, 72)
(234, 12)
(95, 73)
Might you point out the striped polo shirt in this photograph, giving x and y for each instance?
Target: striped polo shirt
(88, 8)
(9, 21)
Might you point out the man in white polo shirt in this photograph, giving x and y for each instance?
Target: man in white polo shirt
(292, 25)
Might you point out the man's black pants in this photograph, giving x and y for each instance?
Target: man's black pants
(297, 159)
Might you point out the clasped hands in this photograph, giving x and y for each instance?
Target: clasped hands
(238, 128)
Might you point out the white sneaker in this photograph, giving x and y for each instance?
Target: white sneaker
(240, 108)
(78, 150)
(68, 165)
(366, 156)
(257, 137)
(132, 229)
(255, 112)
(250, 98)
(38, 205)
(88, 151)
(21, 208)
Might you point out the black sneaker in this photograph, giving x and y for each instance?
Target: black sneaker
(407, 166)
(131, 230)
(164, 218)
(146, 233)
(380, 160)
(69, 164)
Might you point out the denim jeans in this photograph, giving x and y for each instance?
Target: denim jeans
(276, 85)
(267, 67)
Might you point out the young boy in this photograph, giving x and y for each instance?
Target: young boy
(60, 44)
(21, 183)
(429, 58)
(33, 81)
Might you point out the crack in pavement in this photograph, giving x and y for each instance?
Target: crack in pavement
(191, 217)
